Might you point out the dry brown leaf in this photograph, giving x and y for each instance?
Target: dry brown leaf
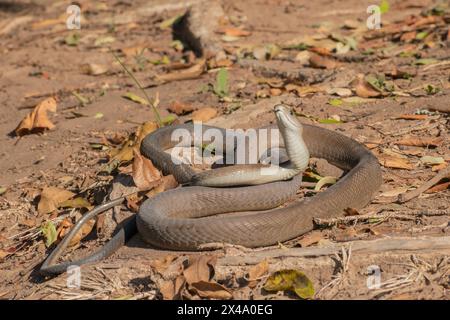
(171, 289)
(321, 51)
(160, 265)
(394, 162)
(190, 73)
(145, 129)
(211, 290)
(133, 50)
(318, 61)
(439, 187)
(303, 91)
(36, 120)
(413, 117)
(408, 36)
(234, 32)
(363, 89)
(80, 235)
(167, 183)
(180, 108)
(200, 268)
(145, 175)
(256, 272)
(310, 239)
(204, 114)
(421, 141)
(94, 69)
(51, 198)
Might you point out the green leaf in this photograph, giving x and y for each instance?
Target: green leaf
(335, 102)
(329, 121)
(135, 98)
(49, 232)
(376, 81)
(421, 35)
(430, 89)
(2, 190)
(169, 119)
(98, 115)
(98, 146)
(291, 280)
(177, 45)
(384, 6)
(72, 39)
(221, 86)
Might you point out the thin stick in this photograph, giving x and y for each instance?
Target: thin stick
(404, 197)
(151, 104)
(370, 246)
(401, 215)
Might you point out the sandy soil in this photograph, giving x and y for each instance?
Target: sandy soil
(37, 62)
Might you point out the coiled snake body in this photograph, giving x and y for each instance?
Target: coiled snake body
(182, 219)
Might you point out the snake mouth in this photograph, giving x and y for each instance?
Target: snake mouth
(286, 118)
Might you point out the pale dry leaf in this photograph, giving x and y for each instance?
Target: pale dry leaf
(190, 73)
(318, 61)
(145, 175)
(341, 92)
(51, 198)
(37, 120)
(94, 69)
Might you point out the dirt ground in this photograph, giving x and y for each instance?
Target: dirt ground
(295, 52)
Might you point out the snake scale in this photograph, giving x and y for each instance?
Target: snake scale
(187, 217)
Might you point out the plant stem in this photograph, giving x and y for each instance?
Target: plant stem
(155, 110)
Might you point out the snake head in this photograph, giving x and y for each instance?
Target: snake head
(286, 119)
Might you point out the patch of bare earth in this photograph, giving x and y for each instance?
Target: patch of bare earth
(387, 88)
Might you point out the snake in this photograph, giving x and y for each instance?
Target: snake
(210, 208)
